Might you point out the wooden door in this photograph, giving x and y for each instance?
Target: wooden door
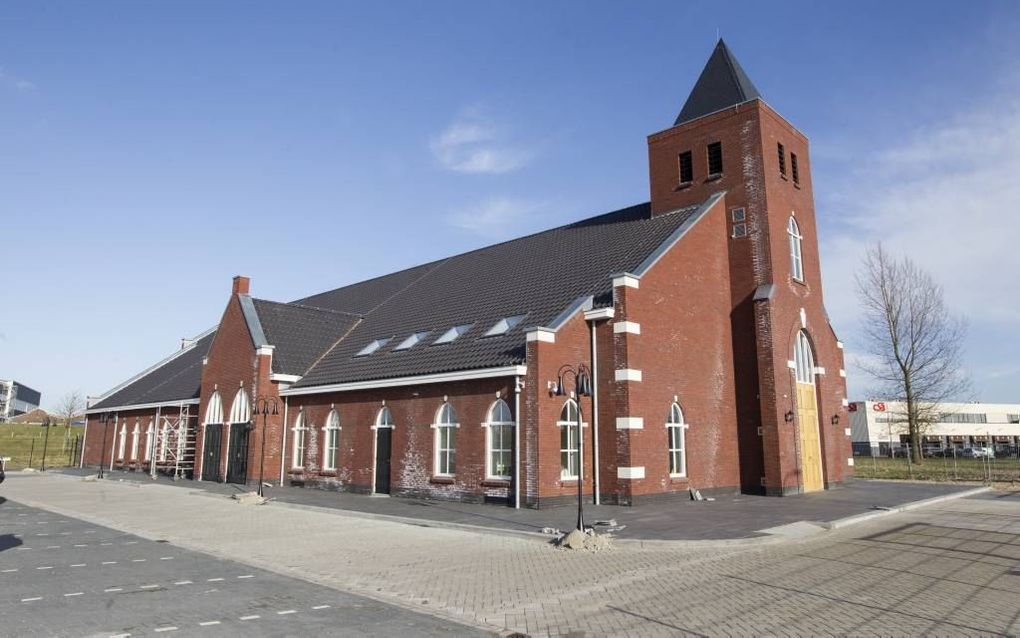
(810, 441)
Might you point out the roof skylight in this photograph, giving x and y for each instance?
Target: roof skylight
(372, 347)
(504, 325)
(411, 341)
(452, 334)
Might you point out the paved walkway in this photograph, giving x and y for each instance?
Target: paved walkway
(946, 569)
(730, 517)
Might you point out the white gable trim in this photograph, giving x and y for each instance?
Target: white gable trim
(630, 473)
(443, 377)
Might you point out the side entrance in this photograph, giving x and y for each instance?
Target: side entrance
(211, 452)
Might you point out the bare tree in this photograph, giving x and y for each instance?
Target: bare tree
(915, 345)
(71, 405)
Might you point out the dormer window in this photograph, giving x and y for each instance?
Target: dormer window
(372, 347)
(504, 325)
(452, 334)
(686, 161)
(715, 165)
(411, 341)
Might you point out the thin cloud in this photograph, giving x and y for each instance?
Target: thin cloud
(474, 144)
(495, 218)
(16, 83)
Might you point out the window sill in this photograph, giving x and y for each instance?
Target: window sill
(327, 472)
(796, 185)
(443, 480)
(682, 186)
(783, 177)
(714, 177)
(800, 282)
(678, 478)
(496, 482)
(568, 482)
(296, 470)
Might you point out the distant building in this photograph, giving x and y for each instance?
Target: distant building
(16, 398)
(881, 425)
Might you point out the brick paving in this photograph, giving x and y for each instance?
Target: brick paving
(945, 569)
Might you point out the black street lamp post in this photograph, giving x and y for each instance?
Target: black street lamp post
(265, 406)
(581, 376)
(46, 441)
(103, 418)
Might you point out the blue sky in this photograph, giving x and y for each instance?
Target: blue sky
(150, 151)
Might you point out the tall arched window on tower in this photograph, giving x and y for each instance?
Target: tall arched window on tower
(796, 259)
(500, 439)
(570, 438)
(240, 409)
(677, 431)
(446, 440)
(804, 361)
(332, 449)
(299, 440)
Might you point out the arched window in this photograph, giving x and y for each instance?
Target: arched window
(499, 441)
(240, 410)
(123, 442)
(164, 441)
(148, 441)
(299, 440)
(677, 431)
(332, 449)
(570, 439)
(385, 418)
(446, 440)
(134, 440)
(803, 359)
(214, 411)
(796, 262)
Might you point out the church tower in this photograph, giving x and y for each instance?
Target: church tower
(788, 365)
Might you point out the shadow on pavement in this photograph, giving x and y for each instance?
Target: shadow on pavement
(7, 541)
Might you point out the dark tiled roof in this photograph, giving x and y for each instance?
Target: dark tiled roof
(176, 380)
(300, 333)
(363, 297)
(539, 275)
(722, 84)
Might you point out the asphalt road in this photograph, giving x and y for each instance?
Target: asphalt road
(60, 576)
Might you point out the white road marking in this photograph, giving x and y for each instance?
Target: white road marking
(47, 567)
(78, 565)
(213, 580)
(111, 589)
(247, 576)
(77, 593)
(8, 571)
(321, 607)
(24, 549)
(255, 617)
(184, 582)
(109, 562)
(161, 629)
(28, 600)
(92, 531)
(148, 587)
(137, 560)
(166, 558)
(121, 636)
(42, 534)
(106, 543)
(53, 547)
(65, 533)
(82, 545)
(208, 623)
(130, 542)
(286, 611)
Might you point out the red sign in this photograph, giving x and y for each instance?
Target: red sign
(880, 407)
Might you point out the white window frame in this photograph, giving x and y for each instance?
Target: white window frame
(331, 447)
(148, 441)
(298, 449)
(576, 450)
(164, 441)
(453, 334)
(494, 425)
(122, 446)
(214, 411)
(796, 252)
(240, 409)
(134, 441)
(804, 360)
(444, 457)
(675, 425)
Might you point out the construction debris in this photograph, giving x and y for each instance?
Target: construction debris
(587, 540)
(248, 498)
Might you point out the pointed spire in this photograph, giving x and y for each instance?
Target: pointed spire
(722, 84)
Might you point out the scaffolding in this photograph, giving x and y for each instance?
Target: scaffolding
(174, 453)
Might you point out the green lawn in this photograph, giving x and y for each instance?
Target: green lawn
(939, 469)
(24, 442)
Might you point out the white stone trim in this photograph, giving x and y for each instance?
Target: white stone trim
(630, 423)
(846, 431)
(630, 327)
(143, 406)
(791, 364)
(627, 280)
(842, 373)
(266, 349)
(628, 374)
(839, 344)
(630, 473)
(285, 378)
(850, 461)
(541, 334)
(444, 377)
(599, 313)
(846, 404)
(819, 370)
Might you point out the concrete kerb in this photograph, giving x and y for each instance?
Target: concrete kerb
(906, 507)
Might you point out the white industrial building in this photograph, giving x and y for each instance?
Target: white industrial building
(880, 426)
(16, 398)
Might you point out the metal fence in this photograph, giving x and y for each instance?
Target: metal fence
(999, 464)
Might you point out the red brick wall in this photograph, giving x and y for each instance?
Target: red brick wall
(94, 449)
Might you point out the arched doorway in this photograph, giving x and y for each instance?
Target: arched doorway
(811, 479)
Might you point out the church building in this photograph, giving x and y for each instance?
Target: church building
(678, 344)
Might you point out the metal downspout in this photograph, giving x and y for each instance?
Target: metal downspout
(595, 414)
(283, 446)
(517, 443)
(113, 446)
(84, 436)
